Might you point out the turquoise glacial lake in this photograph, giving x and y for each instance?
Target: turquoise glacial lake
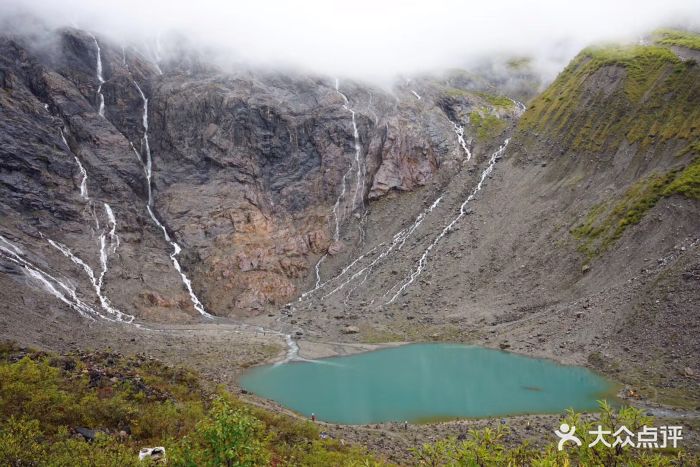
(424, 382)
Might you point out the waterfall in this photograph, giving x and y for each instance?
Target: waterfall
(83, 172)
(153, 53)
(320, 285)
(336, 206)
(360, 276)
(148, 170)
(52, 285)
(415, 94)
(519, 105)
(113, 237)
(83, 182)
(100, 79)
(318, 272)
(359, 186)
(359, 178)
(462, 211)
(104, 248)
(156, 54)
(397, 242)
(459, 131)
(96, 281)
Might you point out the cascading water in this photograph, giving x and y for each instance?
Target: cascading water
(155, 53)
(462, 211)
(459, 131)
(104, 249)
(360, 175)
(342, 273)
(318, 272)
(359, 178)
(519, 105)
(100, 79)
(97, 281)
(336, 206)
(399, 239)
(54, 286)
(415, 94)
(83, 172)
(83, 182)
(397, 242)
(359, 186)
(147, 167)
(113, 237)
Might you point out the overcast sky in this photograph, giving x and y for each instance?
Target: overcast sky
(375, 38)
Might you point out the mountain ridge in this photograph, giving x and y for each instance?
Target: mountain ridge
(463, 216)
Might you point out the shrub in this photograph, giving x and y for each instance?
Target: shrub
(228, 436)
(485, 447)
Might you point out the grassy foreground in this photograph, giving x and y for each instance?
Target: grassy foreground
(135, 402)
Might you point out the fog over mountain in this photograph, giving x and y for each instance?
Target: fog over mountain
(220, 222)
(367, 39)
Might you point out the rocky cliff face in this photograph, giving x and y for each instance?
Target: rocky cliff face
(254, 175)
(433, 211)
(580, 243)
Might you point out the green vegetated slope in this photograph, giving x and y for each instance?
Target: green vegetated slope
(606, 221)
(657, 99)
(486, 125)
(645, 97)
(485, 120)
(677, 38)
(134, 402)
(137, 402)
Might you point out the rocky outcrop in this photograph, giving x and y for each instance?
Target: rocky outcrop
(581, 244)
(255, 175)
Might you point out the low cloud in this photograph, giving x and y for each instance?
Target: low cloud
(372, 39)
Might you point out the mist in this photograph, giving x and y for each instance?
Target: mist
(372, 40)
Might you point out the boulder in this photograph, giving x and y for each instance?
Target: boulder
(152, 453)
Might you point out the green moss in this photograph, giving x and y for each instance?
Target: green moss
(606, 222)
(496, 101)
(492, 99)
(645, 95)
(692, 148)
(642, 63)
(677, 38)
(485, 124)
(687, 183)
